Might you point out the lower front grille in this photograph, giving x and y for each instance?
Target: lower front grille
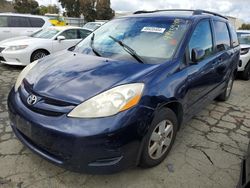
(56, 155)
(1, 49)
(2, 58)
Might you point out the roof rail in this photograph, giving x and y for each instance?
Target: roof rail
(195, 12)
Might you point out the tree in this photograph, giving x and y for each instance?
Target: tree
(6, 6)
(91, 9)
(245, 27)
(43, 10)
(72, 7)
(103, 10)
(26, 6)
(88, 9)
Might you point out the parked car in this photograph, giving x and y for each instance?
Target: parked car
(244, 64)
(244, 181)
(56, 19)
(119, 99)
(93, 25)
(24, 50)
(13, 25)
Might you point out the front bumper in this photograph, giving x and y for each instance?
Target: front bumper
(244, 60)
(104, 145)
(20, 57)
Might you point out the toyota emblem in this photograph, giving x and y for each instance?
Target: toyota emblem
(31, 100)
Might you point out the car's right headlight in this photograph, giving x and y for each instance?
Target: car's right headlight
(23, 74)
(244, 51)
(110, 102)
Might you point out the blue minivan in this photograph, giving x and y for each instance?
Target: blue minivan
(118, 98)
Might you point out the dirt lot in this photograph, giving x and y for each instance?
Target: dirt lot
(207, 152)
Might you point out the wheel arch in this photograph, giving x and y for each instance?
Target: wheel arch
(177, 108)
(39, 49)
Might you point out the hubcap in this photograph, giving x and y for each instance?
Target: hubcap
(160, 139)
(39, 56)
(229, 87)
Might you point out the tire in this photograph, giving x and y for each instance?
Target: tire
(246, 73)
(227, 92)
(38, 55)
(167, 120)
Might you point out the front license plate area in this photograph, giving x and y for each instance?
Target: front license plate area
(23, 126)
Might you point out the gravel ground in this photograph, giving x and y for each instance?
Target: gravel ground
(207, 152)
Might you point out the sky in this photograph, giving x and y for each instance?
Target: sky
(235, 8)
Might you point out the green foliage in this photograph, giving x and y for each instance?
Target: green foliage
(103, 10)
(245, 27)
(91, 9)
(43, 10)
(72, 7)
(26, 6)
(52, 9)
(88, 9)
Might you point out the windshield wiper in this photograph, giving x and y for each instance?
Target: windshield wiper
(128, 49)
(92, 46)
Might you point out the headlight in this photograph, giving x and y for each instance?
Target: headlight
(15, 48)
(109, 102)
(23, 74)
(244, 51)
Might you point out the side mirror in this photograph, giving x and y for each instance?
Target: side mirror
(60, 38)
(197, 55)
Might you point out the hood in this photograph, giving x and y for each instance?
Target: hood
(20, 41)
(75, 78)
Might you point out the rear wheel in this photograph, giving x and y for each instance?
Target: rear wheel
(160, 138)
(246, 72)
(38, 55)
(227, 92)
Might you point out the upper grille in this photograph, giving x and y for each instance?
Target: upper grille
(45, 105)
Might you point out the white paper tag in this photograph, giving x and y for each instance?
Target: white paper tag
(153, 29)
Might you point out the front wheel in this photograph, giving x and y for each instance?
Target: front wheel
(160, 138)
(246, 73)
(227, 92)
(39, 54)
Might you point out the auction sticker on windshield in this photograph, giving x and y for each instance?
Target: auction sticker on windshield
(153, 29)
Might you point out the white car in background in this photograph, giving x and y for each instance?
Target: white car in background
(244, 64)
(13, 25)
(24, 50)
(93, 25)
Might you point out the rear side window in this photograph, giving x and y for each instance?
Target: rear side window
(222, 37)
(83, 34)
(16, 21)
(3, 21)
(36, 22)
(70, 34)
(202, 39)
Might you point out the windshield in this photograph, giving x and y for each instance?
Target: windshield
(153, 39)
(45, 33)
(91, 26)
(244, 38)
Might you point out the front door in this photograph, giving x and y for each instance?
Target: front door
(71, 39)
(200, 74)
